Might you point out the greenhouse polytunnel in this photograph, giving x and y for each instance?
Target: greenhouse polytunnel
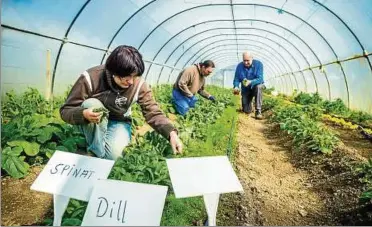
(298, 137)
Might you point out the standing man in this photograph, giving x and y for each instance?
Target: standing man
(250, 74)
(189, 82)
(100, 104)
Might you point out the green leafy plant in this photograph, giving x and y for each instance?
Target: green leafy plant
(335, 107)
(144, 161)
(74, 213)
(13, 163)
(29, 102)
(306, 131)
(305, 98)
(365, 172)
(32, 129)
(360, 117)
(163, 96)
(102, 110)
(270, 103)
(313, 111)
(268, 90)
(137, 118)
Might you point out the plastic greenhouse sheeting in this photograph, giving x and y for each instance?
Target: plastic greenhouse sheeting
(308, 45)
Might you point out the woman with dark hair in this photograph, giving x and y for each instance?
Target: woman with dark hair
(189, 82)
(113, 88)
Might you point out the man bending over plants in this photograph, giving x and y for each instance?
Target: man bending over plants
(100, 103)
(189, 82)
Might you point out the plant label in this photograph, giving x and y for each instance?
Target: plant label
(206, 176)
(71, 175)
(120, 203)
(200, 176)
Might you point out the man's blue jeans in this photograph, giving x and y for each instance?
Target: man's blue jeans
(108, 138)
(183, 103)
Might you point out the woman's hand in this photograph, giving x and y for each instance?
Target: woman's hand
(92, 116)
(175, 143)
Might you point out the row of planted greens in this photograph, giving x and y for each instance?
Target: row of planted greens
(304, 117)
(336, 108)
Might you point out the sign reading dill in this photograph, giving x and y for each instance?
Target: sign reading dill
(72, 175)
(121, 203)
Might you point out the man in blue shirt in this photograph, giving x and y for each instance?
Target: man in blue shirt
(250, 74)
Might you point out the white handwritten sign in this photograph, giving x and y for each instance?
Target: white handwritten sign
(120, 203)
(71, 175)
(200, 176)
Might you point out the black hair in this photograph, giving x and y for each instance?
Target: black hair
(125, 60)
(207, 63)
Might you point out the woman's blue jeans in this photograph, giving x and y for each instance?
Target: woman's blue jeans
(108, 138)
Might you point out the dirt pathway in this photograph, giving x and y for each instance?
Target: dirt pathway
(284, 187)
(274, 189)
(22, 206)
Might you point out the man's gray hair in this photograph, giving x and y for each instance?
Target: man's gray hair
(247, 53)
